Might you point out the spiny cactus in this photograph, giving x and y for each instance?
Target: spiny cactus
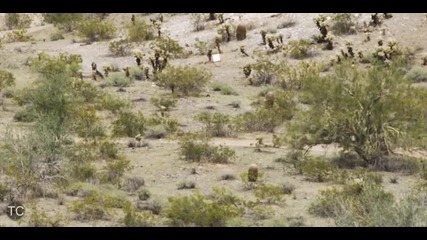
(241, 32)
(212, 16)
(263, 35)
(253, 173)
(218, 43)
(209, 54)
(247, 70)
(147, 73)
(375, 20)
(133, 19)
(227, 31)
(368, 38)
(221, 18)
(270, 42)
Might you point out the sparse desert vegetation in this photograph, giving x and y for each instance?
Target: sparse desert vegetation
(129, 120)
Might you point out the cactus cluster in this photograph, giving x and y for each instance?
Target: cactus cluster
(325, 36)
(247, 69)
(386, 53)
(157, 62)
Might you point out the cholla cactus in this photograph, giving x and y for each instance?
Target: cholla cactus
(280, 39)
(270, 42)
(221, 18)
(375, 20)
(349, 46)
(328, 40)
(247, 70)
(209, 54)
(263, 35)
(218, 43)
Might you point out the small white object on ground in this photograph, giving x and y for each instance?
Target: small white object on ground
(216, 57)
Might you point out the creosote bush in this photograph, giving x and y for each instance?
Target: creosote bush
(185, 80)
(129, 124)
(200, 150)
(369, 113)
(216, 125)
(140, 31)
(120, 48)
(95, 30)
(204, 211)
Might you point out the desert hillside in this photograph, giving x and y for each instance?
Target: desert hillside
(306, 119)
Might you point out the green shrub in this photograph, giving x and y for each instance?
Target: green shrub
(135, 218)
(269, 193)
(109, 150)
(267, 117)
(160, 127)
(168, 46)
(113, 104)
(362, 197)
(343, 23)
(88, 124)
(129, 124)
(6, 79)
(198, 21)
(57, 35)
(118, 79)
(133, 183)
(201, 46)
(186, 80)
(39, 218)
(299, 49)
(216, 125)
(97, 205)
(200, 150)
(83, 171)
(163, 103)
(139, 31)
(17, 36)
(17, 21)
(417, 74)
(288, 188)
(115, 170)
(137, 73)
(223, 88)
(4, 192)
(95, 30)
(369, 113)
(66, 21)
(366, 204)
(198, 210)
(120, 48)
(317, 169)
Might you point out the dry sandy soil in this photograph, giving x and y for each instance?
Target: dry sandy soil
(159, 164)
